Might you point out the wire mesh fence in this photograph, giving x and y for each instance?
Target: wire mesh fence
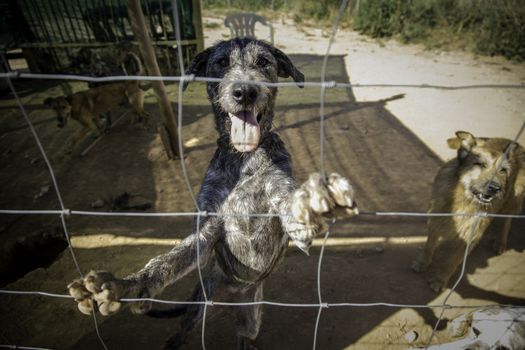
(322, 304)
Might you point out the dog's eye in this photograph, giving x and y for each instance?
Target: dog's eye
(480, 164)
(262, 62)
(503, 171)
(224, 62)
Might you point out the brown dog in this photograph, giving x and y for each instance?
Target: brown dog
(88, 106)
(488, 175)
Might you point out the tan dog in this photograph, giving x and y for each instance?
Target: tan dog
(88, 106)
(488, 175)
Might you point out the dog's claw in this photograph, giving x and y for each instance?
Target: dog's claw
(352, 211)
(304, 246)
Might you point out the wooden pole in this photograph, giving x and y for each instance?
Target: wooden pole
(168, 129)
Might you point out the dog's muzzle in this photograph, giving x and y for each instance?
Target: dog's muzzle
(487, 196)
(245, 131)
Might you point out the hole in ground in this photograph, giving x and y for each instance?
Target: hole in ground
(31, 252)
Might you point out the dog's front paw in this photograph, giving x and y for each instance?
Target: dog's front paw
(314, 201)
(101, 288)
(319, 196)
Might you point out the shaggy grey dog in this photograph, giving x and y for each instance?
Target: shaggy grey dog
(250, 173)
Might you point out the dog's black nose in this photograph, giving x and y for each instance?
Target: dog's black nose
(244, 93)
(493, 188)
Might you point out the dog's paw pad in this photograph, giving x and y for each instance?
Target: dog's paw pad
(94, 280)
(77, 290)
(85, 306)
(108, 307)
(98, 287)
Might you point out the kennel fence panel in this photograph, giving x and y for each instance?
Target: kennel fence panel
(323, 85)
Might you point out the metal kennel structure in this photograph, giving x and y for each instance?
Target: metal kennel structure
(51, 32)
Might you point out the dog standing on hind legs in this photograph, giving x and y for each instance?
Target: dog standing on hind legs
(488, 175)
(250, 173)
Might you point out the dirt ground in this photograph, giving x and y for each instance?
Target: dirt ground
(372, 136)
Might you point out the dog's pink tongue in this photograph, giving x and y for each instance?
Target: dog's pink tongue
(245, 132)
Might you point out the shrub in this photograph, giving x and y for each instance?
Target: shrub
(497, 27)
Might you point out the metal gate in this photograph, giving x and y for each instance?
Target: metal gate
(51, 33)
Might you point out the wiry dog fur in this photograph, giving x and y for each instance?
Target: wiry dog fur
(88, 106)
(249, 173)
(488, 175)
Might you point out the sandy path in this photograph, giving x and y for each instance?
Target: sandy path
(432, 114)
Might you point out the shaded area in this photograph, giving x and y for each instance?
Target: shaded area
(32, 251)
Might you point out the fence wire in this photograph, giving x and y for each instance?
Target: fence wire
(57, 191)
(192, 78)
(198, 214)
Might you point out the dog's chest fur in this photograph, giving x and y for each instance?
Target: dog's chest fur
(451, 195)
(238, 185)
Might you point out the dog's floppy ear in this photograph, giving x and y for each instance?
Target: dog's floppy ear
(517, 152)
(454, 143)
(198, 65)
(511, 148)
(463, 142)
(285, 67)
